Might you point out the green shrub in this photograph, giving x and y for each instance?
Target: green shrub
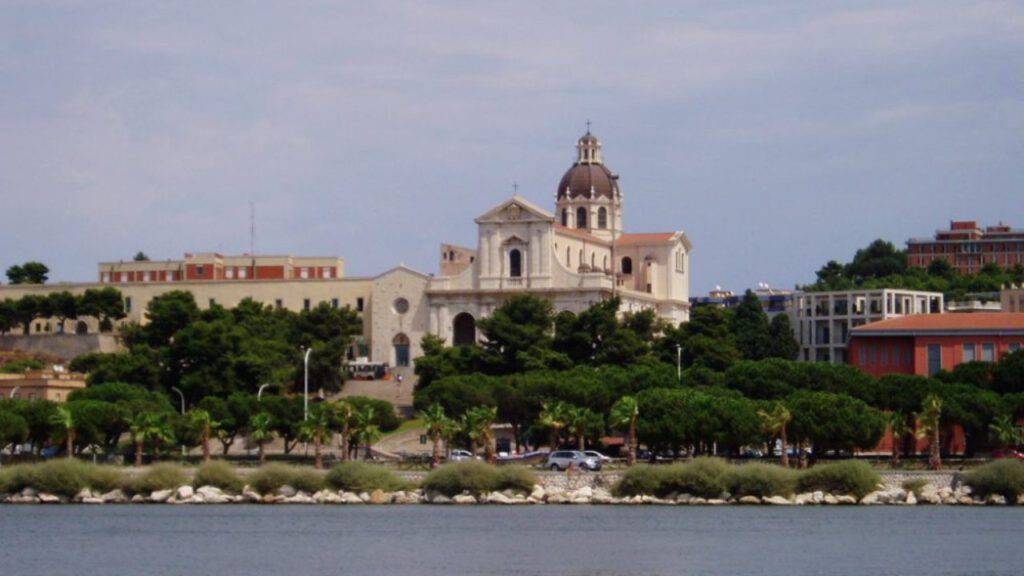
(915, 485)
(846, 477)
(219, 474)
(363, 477)
(516, 478)
(1003, 477)
(156, 477)
(266, 479)
(62, 477)
(639, 480)
(760, 480)
(472, 477)
(704, 477)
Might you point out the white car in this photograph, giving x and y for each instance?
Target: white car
(595, 454)
(460, 455)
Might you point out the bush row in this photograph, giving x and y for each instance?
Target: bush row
(710, 477)
(1002, 477)
(478, 478)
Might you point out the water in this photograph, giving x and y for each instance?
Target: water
(540, 540)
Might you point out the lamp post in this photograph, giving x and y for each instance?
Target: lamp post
(14, 391)
(305, 384)
(175, 388)
(259, 393)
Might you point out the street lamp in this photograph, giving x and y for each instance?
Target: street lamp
(175, 388)
(14, 391)
(259, 393)
(679, 362)
(305, 384)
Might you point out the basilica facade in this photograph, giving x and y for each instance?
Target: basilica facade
(575, 256)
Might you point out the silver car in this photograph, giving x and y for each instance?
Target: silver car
(563, 459)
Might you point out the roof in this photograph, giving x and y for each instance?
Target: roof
(990, 323)
(578, 233)
(644, 238)
(589, 180)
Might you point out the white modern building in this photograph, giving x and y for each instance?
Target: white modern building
(822, 320)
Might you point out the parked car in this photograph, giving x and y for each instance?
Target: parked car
(563, 459)
(460, 455)
(600, 457)
(1013, 454)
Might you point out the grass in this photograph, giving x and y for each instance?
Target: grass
(156, 477)
(268, 478)
(478, 478)
(1002, 477)
(364, 477)
(219, 474)
(915, 485)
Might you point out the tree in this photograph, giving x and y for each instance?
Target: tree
(286, 414)
(365, 432)
(523, 323)
(942, 268)
(553, 417)
(781, 342)
(1005, 432)
(624, 414)
(749, 326)
(477, 423)
(157, 432)
(28, 273)
(831, 273)
(205, 425)
(345, 412)
(64, 420)
(436, 421)
(140, 256)
(63, 306)
(8, 315)
(581, 422)
(775, 422)
(834, 422)
(877, 260)
(13, 429)
(930, 426)
(317, 428)
(104, 304)
(899, 428)
(28, 308)
(261, 430)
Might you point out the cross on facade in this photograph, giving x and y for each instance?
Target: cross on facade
(588, 125)
(515, 187)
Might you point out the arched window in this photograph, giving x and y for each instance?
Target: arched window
(604, 264)
(593, 260)
(602, 217)
(565, 217)
(515, 263)
(581, 217)
(568, 257)
(627, 265)
(581, 260)
(464, 329)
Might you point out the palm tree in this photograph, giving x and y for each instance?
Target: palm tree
(579, 421)
(899, 428)
(65, 420)
(261, 431)
(137, 429)
(477, 423)
(624, 414)
(316, 428)
(157, 431)
(930, 427)
(1005, 432)
(775, 423)
(201, 420)
(345, 411)
(436, 422)
(553, 417)
(450, 429)
(365, 431)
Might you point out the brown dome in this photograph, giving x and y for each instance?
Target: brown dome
(588, 180)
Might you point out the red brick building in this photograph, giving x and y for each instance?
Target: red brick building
(925, 344)
(968, 247)
(218, 267)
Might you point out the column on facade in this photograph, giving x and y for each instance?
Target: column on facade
(495, 253)
(534, 268)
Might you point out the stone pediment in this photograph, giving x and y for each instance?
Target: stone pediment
(516, 209)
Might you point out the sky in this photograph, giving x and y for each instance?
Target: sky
(777, 135)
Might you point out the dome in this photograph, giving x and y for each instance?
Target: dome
(588, 180)
(588, 177)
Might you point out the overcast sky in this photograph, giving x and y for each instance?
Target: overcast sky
(778, 135)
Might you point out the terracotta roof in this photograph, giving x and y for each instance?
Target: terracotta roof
(970, 322)
(644, 238)
(581, 234)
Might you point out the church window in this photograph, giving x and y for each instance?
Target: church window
(581, 217)
(568, 257)
(565, 217)
(602, 217)
(627, 265)
(593, 260)
(515, 263)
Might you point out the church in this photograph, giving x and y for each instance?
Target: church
(575, 256)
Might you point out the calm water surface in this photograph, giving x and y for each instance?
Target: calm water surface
(563, 540)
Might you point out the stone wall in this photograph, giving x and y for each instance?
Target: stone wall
(63, 346)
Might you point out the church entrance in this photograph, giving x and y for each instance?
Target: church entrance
(464, 330)
(401, 343)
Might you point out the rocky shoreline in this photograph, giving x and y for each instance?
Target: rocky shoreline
(585, 494)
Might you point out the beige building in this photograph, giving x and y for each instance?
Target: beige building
(41, 385)
(1012, 298)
